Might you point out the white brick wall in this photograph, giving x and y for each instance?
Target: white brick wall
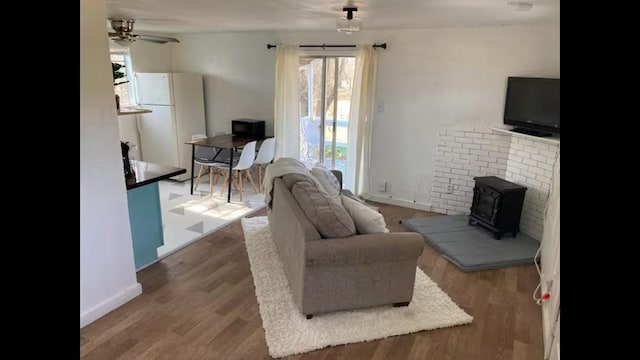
(461, 155)
(530, 164)
(464, 153)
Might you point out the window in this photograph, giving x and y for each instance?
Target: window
(326, 83)
(124, 90)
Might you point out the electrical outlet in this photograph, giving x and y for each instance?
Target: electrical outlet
(380, 106)
(382, 187)
(388, 187)
(450, 189)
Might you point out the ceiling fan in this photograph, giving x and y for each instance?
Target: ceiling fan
(124, 33)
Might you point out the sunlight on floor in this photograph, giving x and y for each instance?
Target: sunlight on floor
(194, 206)
(187, 218)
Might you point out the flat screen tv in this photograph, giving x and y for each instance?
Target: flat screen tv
(533, 105)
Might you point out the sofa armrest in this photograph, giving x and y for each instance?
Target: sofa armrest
(362, 249)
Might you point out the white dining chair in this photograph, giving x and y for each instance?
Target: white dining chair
(203, 156)
(243, 164)
(265, 156)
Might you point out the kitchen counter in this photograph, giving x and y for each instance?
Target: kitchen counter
(132, 111)
(145, 215)
(147, 173)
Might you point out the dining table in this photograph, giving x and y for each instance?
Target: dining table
(230, 142)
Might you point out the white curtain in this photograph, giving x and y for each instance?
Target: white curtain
(360, 120)
(286, 120)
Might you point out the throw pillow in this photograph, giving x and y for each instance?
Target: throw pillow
(367, 220)
(350, 195)
(327, 179)
(325, 212)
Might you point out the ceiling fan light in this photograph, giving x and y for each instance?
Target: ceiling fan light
(347, 26)
(124, 35)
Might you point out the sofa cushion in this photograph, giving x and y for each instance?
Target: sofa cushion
(349, 194)
(325, 212)
(291, 179)
(329, 181)
(366, 219)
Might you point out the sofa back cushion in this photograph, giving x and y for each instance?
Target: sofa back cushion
(290, 179)
(366, 219)
(324, 211)
(329, 181)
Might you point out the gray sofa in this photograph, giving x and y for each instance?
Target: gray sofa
(353, 272)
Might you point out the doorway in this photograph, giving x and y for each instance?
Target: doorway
(326, 84)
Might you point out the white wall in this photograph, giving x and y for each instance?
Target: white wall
(238, 75)
(107, 272)
(427, 79)
(433, 78)
(150, 57)
(462, 154)
(531, 164)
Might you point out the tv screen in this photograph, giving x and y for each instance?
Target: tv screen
(533, 103)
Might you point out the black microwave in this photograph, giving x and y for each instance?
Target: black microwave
(248, 128)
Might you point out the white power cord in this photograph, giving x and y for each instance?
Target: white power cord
(539, 299)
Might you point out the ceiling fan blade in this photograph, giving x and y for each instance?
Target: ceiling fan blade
(156, 39)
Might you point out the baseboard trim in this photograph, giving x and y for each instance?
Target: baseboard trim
(110, 304)
(398, 202)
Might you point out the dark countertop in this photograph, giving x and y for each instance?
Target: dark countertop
(147, 173)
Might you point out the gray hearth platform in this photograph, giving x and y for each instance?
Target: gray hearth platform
(472, 248)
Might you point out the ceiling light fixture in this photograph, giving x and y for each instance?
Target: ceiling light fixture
(349, 24)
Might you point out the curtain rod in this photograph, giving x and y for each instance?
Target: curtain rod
(323, 46)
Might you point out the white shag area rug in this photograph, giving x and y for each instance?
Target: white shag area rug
(289, 332)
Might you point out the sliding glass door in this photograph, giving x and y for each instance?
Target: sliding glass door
(326, 83)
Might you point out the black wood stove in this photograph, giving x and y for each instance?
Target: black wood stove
(497, 205)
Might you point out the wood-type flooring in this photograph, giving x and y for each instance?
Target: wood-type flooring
(199, 303)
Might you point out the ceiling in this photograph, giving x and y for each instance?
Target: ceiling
(183, 16)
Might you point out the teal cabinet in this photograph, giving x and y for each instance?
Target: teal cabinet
(145, 214)
(145, 217)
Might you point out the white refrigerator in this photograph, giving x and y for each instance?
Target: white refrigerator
(176, 101)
